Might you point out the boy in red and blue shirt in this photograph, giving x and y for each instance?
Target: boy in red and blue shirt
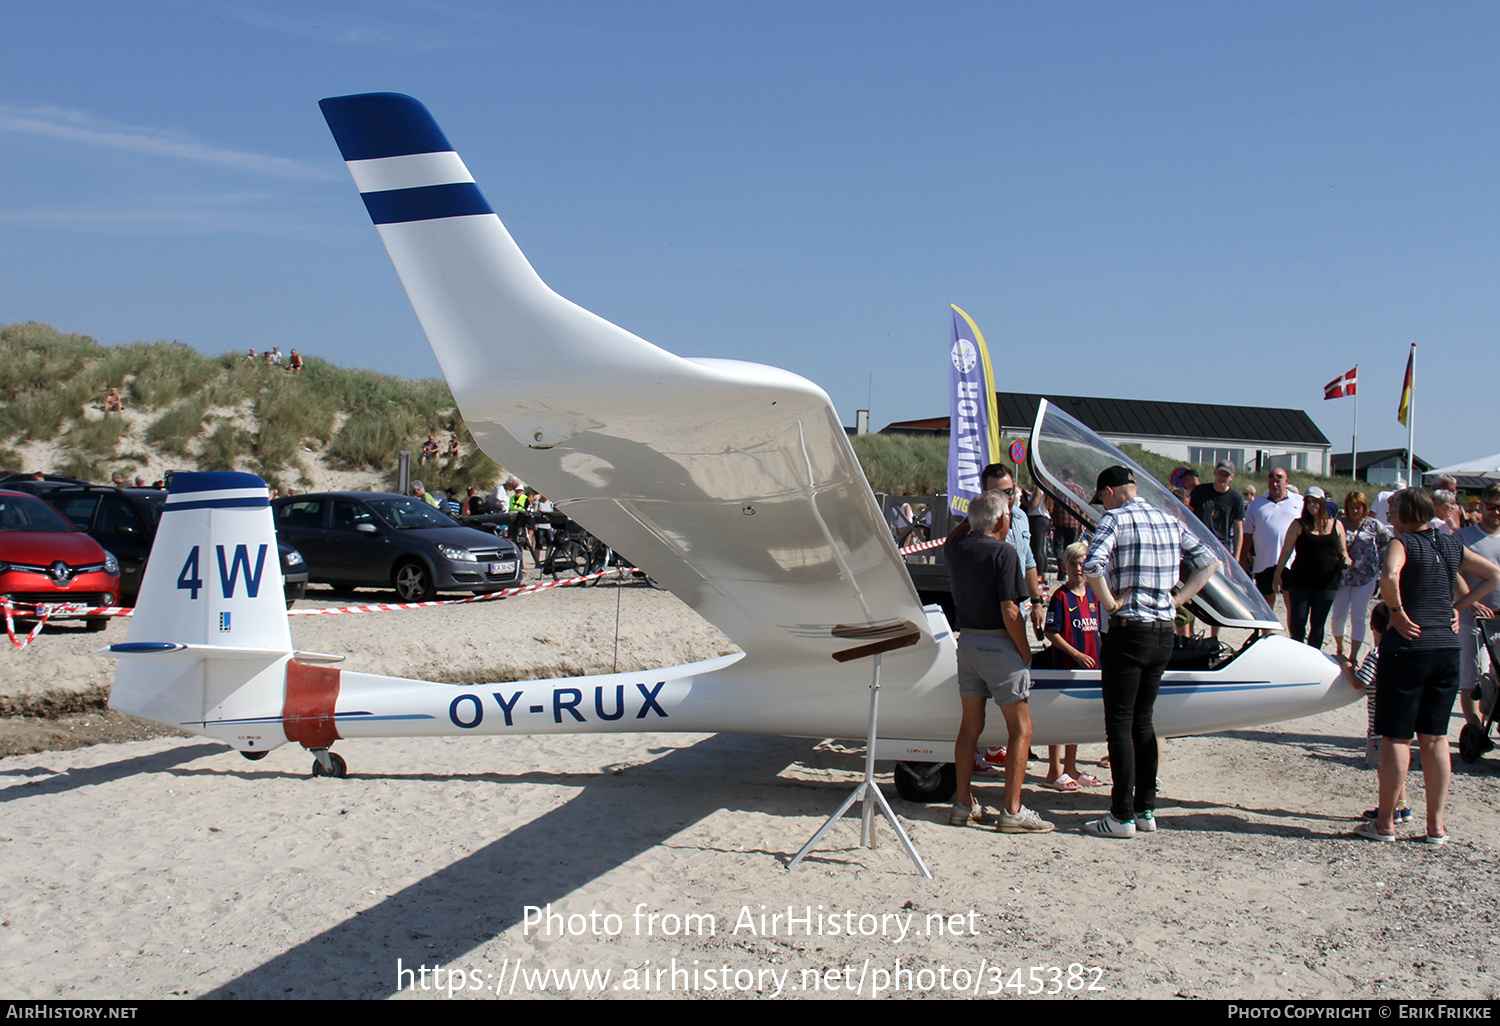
(1072, 630)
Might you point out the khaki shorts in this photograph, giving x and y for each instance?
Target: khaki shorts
(990, 667)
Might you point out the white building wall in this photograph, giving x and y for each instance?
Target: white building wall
(1315, 457)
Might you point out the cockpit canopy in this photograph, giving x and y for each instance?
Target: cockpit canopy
(1066, 458)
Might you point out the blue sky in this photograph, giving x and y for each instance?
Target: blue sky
(1202, 202)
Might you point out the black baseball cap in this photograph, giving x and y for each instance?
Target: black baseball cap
(1111, 477)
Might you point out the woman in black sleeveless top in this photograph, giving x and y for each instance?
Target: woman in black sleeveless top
(1416, 679)
(1312, 583)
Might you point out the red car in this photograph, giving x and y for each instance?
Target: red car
(44, 559)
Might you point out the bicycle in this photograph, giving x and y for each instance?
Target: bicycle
(572, 553)
(576, 553)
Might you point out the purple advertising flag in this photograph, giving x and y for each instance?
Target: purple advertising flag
(973, 422)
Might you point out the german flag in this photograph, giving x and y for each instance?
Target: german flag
(1404, 409)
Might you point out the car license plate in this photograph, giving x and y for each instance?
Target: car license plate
(508, 567)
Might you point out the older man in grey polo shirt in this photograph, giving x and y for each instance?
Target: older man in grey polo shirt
(994, 657)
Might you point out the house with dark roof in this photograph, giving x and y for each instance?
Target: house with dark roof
(1254, 438)
(1379, 466)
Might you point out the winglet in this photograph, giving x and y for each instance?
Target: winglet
(374, 125)
(404, 166)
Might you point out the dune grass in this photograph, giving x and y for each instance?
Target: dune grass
(226, 448)
(162, 372)
(289, 416)
(82, 466)
(38, 415)
(47, 379)
(37, 357)
(370, 440)
(904, 464)
(97, 437)
(176, 429)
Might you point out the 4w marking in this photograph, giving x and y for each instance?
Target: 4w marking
(229, 571)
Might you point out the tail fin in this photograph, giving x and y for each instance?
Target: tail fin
(477, 297)
(209, 638)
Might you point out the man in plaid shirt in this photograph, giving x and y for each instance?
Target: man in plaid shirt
(1132, 565)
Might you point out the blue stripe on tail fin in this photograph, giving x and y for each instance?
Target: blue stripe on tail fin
(373, 125)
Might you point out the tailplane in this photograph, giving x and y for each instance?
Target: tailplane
(209, 641)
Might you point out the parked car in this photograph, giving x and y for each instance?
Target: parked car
(43, 558)
(31, 486)
(124, 521)
(371, 540)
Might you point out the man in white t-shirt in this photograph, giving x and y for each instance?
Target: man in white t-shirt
(1380, 509)
(1266, 523)
(1483, 539)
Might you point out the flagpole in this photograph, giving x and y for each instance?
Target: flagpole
(1411, 419)
(1354, 456)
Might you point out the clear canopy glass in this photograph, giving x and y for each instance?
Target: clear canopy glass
(1066, 458)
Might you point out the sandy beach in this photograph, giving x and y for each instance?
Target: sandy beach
(173, 867)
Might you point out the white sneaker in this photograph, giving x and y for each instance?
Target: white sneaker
(1111, 827)
(1145, 822)
(1023, 822)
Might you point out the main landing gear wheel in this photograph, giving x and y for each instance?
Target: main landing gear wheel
(926, 781)
(255, 756)
(340, 768)
(1473, 742)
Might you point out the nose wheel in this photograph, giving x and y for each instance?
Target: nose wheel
(328, 764)
(923, 782)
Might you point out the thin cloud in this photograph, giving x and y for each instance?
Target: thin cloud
(81, 126)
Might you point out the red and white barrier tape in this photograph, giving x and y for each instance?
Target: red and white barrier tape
(46, 610)
(10, 625)
(385, 607)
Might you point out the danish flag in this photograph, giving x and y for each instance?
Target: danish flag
(1342, 385)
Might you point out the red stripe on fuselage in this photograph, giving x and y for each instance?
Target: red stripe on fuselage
(311, 694)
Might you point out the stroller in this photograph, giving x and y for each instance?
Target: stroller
(1474, 741)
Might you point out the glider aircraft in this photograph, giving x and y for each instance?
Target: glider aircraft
(733, 484)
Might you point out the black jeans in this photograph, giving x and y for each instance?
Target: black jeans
(1300, 602)
(1134, 656)
(1039, 528)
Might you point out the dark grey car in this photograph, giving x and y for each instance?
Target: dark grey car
(378, 540)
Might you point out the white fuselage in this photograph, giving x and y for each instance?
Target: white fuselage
(1273, 679)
